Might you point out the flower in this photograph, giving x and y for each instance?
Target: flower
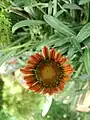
(47, 71)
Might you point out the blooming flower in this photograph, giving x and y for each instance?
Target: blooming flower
(47, 72)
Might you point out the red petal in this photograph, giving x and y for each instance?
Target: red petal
(39, 90)
(32, 61)
(57, 56)
(28, 67)
(67, 66)
(61, 86)
(47, 90)
(35, 87)
(68, 69)
(26, 71)
(52, 54)
(62, 60)
(30, 83)
(34, 58)
(65, 78)
(54, 90)
(39, 56)
(29, 78)
(45, 52)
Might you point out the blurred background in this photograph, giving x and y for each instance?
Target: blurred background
(25, 27)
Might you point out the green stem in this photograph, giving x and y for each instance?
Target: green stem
(72, 12)
(54, 7)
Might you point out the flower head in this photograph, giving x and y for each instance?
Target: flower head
(47, 72)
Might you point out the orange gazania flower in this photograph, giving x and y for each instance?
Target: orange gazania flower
(47, 72)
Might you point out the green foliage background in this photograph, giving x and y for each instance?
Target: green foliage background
(25, 27)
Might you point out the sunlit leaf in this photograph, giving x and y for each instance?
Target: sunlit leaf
(47, 105)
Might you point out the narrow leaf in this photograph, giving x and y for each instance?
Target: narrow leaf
(64, 48)
(87, 60)
(84, 33)
(26, 23)
(58, 13)
(83, 2)
(72, 6)
(61, 42)
(78, 71)
(71, 51)
(87, 42)
(58, 25)
(50, 7)
(76, 44)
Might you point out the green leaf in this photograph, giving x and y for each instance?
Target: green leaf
(87, 42)
(58, 25)
(61, 42)
(71, 51)
(72, 6)
(76, 44)
(83, 33)
(55, 3)
(78, 71)
(26, 23)
(50, 7)
(87, 60)
(58, 13)
(51, 41)
(74, 102)
(64, 48)
(83, 2)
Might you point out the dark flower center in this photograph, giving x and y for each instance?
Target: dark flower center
(49, 73)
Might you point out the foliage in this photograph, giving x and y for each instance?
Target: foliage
(1, 91)
(4, 115)
(5, 29)
(21, 104)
